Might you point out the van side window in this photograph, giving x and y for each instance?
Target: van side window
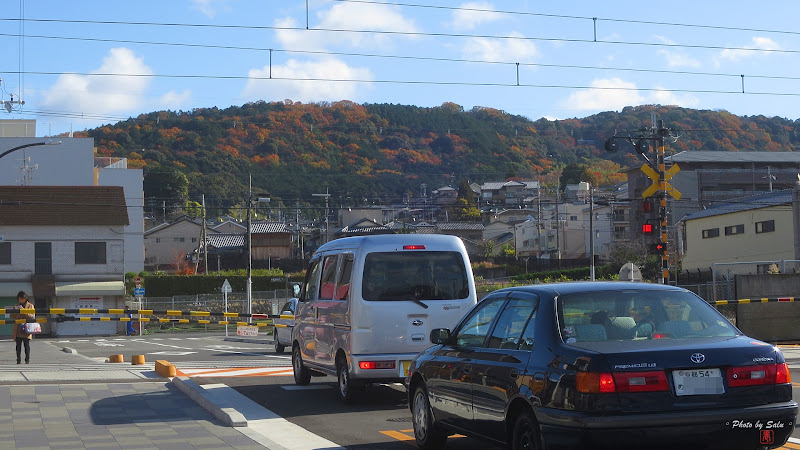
(310, 286)
(328, 280)
(344, 277)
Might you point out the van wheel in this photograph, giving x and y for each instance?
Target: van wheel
(279, 348)
(302, 376)
(345, 383)
(425, 432)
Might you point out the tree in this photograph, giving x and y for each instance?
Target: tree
(166, 190)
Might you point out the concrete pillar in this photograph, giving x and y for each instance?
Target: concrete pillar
(796, 216)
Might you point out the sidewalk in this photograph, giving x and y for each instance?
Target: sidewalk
(66, 400)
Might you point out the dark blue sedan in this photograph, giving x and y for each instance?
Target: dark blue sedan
(607, 364)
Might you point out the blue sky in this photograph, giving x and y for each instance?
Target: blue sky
(691, 54)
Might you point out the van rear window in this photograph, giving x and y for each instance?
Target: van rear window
(425, 275)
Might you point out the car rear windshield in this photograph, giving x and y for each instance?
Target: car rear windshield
(638, 315)
(420, 275)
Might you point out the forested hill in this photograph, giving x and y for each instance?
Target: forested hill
(386, 152)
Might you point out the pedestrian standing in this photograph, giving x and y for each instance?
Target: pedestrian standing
(130, 330)
(21, 337)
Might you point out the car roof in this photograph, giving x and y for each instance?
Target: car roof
(555, 289)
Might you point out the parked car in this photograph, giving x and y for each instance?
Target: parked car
(600, 364)
(368, 304)
(283, 327)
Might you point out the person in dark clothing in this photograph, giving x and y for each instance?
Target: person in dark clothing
(131, 331)
(17, 334)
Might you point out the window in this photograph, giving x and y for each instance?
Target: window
(194, 239)
(512, 321)
(5, 252)
(90, 253)
(734, 229)
(158, 240)
(711, 233)
(573, 218)
(765, 226)
(310, 286)
(343, 289)
(328, 278)
(177, 239)
(426, 275)
(475, 329)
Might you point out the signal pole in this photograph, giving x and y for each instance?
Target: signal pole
(662, 191)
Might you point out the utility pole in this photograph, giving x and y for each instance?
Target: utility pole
(661, 132)
(327, 196)
(205, 237)
(591, 231)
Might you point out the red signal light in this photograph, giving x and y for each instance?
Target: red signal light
(647, 228)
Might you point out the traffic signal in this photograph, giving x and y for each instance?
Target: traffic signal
(647, 228)
(657, 249)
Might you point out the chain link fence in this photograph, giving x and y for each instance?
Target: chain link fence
(264, 302)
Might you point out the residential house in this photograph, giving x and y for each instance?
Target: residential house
(271, 240)
(230, 227)
(64, 246)
(445, 196)
(755, 228)
(363, 227)
(166, 246)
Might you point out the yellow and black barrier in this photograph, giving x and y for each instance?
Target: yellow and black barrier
(127, 319)
(142, 312)
(752, 300)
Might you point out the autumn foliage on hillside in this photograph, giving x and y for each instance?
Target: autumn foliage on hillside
(385, 151)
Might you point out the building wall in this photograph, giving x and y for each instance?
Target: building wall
(23, 239)
(131, 181)
(70, 163)
(748, 246)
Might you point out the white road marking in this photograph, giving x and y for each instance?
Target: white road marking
(310, 387)
(108, 344)
(231, 373)
(167, 353)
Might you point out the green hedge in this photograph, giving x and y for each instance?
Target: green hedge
(169, 285)
(603, 272)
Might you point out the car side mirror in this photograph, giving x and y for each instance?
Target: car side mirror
(440, 335)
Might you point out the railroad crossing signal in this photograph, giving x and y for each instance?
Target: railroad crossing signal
(676, 194)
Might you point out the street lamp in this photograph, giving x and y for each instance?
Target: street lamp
(34, 144)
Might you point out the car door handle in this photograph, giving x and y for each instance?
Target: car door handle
(514, 373)
(538, 376)
(467, 368)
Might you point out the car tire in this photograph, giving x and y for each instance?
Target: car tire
(425, 432)
(345, 382)
(526, 435)
(302, 376)
(279, 348)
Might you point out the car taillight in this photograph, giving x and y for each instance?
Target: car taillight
(366, 365)
(652, 381)
(413, 247)
(595, 383)
(759, 375)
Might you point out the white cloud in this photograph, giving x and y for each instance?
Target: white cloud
(175, 100)
(677, 58)
(102, 94)
(500, 49)
(760, 43)
(467, 20)
(613, 94)
(210, 7)
(296, 80)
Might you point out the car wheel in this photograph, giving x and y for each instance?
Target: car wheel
(302, 376)
(345, 383)
(425, 432)
(526, 433)
(279, 348)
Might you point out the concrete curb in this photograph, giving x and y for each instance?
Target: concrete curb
(215, 402)
(250, 340)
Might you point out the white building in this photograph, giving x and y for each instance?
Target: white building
(64, 246)
(72, 163)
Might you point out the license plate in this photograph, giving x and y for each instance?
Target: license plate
(404, 367)
(698, 382)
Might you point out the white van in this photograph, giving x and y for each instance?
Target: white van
(368, 304)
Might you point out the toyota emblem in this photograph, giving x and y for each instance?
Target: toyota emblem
(697, 358)
(416, 323)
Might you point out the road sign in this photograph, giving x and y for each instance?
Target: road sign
(138, 292)
(676, 194)
(138, 282)
(226, 287)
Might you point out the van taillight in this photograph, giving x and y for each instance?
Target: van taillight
(759, 375)
(413, 247)
(366, 365)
